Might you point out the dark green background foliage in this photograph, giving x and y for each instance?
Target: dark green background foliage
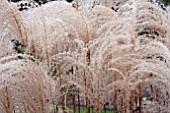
(167, 2)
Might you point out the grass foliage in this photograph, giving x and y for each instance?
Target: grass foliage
(92, 52)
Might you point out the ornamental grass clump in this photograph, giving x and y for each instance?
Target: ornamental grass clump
(98, 54)
(25, 87)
